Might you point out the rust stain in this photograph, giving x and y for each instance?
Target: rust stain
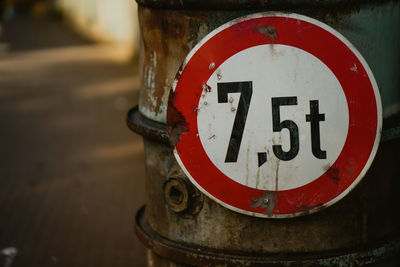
(179, 73)
(206, 88)
(164, 39)
(177, 123)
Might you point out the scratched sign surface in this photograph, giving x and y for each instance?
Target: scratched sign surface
(274, 115)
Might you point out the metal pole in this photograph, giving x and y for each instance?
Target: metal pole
(180, 225)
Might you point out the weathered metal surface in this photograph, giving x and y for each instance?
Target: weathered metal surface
(168, 36)
(364, 218)
(193, 255)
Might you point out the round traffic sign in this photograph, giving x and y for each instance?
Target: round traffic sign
(274, 115)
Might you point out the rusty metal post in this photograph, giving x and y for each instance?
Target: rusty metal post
(182, 227)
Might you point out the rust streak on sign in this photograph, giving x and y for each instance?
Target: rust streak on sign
(177, 122)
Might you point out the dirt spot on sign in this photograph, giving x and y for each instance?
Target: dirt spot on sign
(268, 31)
(333, 174)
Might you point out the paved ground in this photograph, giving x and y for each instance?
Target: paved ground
(71, 173)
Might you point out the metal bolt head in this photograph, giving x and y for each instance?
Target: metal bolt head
(212, 65)
(176, 194)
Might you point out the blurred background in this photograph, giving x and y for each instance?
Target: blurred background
(71, 173)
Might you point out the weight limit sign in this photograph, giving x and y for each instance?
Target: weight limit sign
(275, 115)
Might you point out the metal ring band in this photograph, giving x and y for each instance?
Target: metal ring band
(200, 256)
(157, 131)
(145, 127)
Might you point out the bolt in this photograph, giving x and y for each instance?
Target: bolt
(265, 201)
(212, 65)
(233, 109)
(176, 194)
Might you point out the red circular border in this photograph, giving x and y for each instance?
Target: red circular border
(340, 59)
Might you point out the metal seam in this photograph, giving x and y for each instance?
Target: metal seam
(157, 131)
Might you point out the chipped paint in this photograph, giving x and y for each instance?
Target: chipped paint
(267, 201)
(149, 72)
(354, 68)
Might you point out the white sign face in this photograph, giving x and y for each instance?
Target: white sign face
(275, 115)
(275, 71)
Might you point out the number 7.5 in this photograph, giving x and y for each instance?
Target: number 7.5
(246, 90)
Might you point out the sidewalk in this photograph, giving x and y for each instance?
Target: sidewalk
(71, 173)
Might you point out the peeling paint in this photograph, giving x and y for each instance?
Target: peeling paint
(268, 201)
(354, 68)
